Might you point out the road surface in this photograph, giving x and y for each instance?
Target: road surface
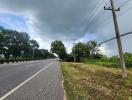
(33, 80)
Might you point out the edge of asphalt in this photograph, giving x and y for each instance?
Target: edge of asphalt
(65, 95)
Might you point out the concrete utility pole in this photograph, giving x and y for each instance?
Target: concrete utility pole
(122, 61)
(74, 52)
(33, 53)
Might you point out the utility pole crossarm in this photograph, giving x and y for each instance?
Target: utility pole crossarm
(109, 8)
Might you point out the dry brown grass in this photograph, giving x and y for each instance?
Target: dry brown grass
(93, 82)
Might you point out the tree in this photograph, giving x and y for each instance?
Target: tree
(128, 59)
(1, 28)
(16, 42)
(34, 44)
(25, 45)
(43, 54)
(12, 43)
(1, 42)
(69, 57)
(81, 51)
(58, 48)
(93, 47)
(8, 42)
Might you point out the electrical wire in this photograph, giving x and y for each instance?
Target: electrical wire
(128, 33)
(125, 11)
(124, 3)
(95, 18)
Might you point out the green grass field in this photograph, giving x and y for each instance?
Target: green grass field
(94, 82)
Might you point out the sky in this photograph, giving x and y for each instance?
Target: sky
(65, 20)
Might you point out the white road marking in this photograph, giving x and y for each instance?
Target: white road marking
(16, 88)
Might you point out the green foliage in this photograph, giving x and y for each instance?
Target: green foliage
(58, 48)
(113, 61)
(15, 45)
(86, 50)
(1, 41)
(128, 59)
(69, 58)
(43, 53)
(93, 47)
(34, 44)
(81, 51)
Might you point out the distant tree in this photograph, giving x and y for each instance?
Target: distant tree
(128, 59)
(46, 54)
(97, 56)
(9, 42)
(34, 44)
(58, 48)
(81, 51)
(69, 57)
(93, 47)
(50, 55)
(1, 28)
(25, 45)
(1, 42)
(14, 44)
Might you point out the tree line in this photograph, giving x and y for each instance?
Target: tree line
(19, 45)
(88, 53)
(80, 50)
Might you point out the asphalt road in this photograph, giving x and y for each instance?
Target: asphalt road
(34, 80)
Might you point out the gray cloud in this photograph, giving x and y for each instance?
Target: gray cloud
(67, 19)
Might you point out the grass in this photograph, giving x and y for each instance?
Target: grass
(105, 63)
(94, 82)
(109, 62)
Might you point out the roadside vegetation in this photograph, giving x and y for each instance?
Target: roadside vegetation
(110, 61)
(94, 82)
(18, 46)
(88, 53)
(93, 76)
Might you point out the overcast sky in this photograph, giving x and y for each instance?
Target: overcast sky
(84, 20)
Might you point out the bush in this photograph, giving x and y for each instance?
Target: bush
(113, 61)
(2, 61)
(128, 59)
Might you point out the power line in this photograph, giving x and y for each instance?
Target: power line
(90, 13)
(93, 13)
(124, 3)
(125, 11)
(96, 17)
(115, 37)
(107, 21)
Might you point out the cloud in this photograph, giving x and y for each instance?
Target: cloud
(48, 20)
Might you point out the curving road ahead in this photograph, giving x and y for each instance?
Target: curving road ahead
(34, 80)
